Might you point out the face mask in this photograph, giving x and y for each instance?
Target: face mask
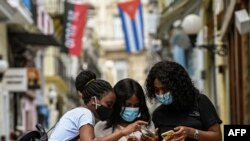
(102, 111)
(129, 114)
(165, 99)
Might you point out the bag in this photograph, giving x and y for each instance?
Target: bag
(38, 135)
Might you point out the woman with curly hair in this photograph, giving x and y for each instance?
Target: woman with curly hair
(190, 115)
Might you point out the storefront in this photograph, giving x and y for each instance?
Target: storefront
(26, 29)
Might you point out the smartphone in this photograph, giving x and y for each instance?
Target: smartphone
(168, 133)
(147, 132)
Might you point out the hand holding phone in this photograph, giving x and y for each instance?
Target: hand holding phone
(146, 132)
(167, 134)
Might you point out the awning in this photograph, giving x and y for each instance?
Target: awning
(14, 13)
(6, 11)
(36, 39)
(39, 31)
(178, 10)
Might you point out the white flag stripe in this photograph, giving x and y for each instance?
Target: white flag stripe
(129, 29)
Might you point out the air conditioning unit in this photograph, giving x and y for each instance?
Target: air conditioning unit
(242, 21)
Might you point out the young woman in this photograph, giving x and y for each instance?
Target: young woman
(130, 106)
(184, 110)
(99, 98)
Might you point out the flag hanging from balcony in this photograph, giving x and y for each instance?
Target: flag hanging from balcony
(132, 24)
(75, 19)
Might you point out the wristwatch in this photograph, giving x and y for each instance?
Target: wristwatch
(196, 134)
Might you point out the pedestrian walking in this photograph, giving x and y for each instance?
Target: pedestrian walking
(184, 111)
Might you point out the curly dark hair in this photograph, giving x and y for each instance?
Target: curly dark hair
(125, 89)
(175, 78)
(89, 86)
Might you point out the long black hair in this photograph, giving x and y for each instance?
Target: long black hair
(175, 78)
(125, 89)
(89, 86)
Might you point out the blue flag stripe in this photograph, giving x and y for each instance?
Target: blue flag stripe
(129, 30)
(139, 31)
(125, 31)
(135, 35)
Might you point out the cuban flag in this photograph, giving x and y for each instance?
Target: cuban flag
(132, 24)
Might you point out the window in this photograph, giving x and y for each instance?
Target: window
(118, 33)
(121, 68)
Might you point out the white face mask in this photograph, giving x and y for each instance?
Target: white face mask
(165, 99)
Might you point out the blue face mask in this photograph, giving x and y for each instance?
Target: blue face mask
(165, 99)
(129, 114)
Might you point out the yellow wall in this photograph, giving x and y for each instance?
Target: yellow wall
(49, 61)
(3, 40)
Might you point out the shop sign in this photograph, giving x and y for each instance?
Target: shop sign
(15, 80)
(21, 79)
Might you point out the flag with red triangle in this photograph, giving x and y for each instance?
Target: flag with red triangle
(132, 24)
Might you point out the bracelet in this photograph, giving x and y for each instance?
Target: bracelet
(196, 134)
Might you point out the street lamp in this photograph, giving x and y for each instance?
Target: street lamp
(192, 25)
